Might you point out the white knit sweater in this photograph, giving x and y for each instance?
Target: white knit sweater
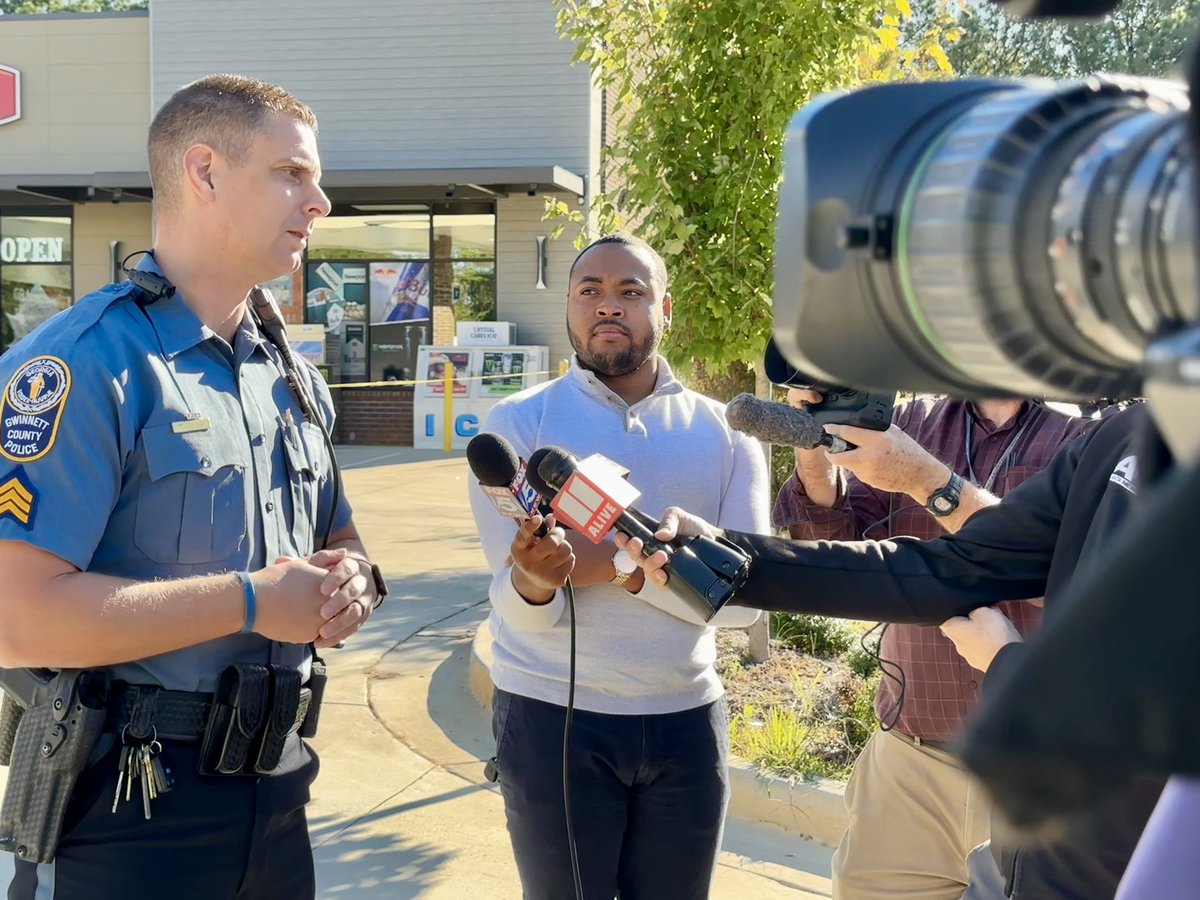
(636, 654)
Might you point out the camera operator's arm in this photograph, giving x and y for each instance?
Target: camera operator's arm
(744, 499)
(815, 475)
(893, 462)
(1003, 553)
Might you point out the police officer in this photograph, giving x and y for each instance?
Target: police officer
(163, 506)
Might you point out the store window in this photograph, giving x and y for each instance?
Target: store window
(465, 252)
(378, 283)
(35, 270)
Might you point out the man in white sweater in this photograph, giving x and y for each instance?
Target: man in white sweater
(650, 734)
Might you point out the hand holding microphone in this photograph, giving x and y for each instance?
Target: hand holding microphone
(541, 562)
(676, 523)
(779, 423)
(541, 557)
(593, 497)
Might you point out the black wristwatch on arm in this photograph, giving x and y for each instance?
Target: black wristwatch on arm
(945, 499)
(381, 588)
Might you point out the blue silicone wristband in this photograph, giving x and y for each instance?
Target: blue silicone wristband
(251, 606)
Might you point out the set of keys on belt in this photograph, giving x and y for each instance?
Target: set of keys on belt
(140, 762)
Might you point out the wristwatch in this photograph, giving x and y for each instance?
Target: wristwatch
(625, 566)
(380, 585)
(381, 588)
(944, 500)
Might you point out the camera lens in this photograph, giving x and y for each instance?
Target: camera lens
(1027, 238)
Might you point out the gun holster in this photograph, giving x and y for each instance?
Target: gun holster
(52, 745)
(10, 717)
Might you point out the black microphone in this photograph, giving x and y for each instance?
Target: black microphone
(502, 476)
(778, 423)
(592, 497)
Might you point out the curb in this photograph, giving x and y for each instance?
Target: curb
(812, 810)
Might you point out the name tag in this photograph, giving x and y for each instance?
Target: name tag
(187, 426)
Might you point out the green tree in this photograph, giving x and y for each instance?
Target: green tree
(19, 7)
(1141, 37)
(701, 92)
(994, 44)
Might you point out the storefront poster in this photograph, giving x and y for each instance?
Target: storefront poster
(502, 373)
(29, 295)
(399, 292)
(435, 373)
(308, 341)
(336, 293)
(354, 352)
(280, 288)
(395, 348)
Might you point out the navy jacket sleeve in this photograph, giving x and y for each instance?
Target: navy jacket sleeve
(1002, 553)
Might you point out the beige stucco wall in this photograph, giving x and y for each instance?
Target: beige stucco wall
(85, 94)
(95, 225)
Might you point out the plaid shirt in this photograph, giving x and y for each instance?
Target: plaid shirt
(940, 687)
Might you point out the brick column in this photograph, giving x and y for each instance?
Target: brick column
(443, 292)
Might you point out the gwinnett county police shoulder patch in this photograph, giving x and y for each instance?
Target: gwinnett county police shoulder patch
(32, 409)
(18, 498)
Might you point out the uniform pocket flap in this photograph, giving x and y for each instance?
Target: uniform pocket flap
(169, 452)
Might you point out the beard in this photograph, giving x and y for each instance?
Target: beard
(615, 363)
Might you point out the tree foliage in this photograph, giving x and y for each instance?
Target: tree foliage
(27, 7)
(1141, 37)
(700, 93)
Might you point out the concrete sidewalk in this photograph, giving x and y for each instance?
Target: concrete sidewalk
(401, 808)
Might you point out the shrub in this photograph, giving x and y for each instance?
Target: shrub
(818, 635)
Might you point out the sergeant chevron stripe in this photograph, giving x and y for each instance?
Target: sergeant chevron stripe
(18, 499)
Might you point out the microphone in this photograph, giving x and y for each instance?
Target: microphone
(597, 502)
(501, 475)
(592, 497)
(778, 423)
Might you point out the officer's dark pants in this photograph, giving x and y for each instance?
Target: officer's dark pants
(648, 799)
(226, 838)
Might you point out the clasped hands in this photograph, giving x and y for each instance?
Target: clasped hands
(322, 599)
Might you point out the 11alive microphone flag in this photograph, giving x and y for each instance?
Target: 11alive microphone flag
(594, 497)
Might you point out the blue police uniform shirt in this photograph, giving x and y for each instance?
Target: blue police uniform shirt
(134, 442)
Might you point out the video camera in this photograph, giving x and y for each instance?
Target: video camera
(985, 237)
(982, 238)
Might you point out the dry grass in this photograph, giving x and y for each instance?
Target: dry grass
(794, 714)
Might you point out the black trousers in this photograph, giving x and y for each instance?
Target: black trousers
(648, 799)
(223, 838)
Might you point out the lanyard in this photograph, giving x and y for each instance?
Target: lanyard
(1004, 457)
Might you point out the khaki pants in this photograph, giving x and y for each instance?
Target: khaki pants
(914, 816)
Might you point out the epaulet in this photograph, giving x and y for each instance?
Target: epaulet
(89, 309)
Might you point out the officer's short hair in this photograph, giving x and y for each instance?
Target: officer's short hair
(226, 112)
(658, 268)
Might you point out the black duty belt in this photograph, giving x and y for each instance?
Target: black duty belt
(178, 715)
(242, 726)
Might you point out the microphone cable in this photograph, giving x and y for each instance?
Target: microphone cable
(569, 589)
